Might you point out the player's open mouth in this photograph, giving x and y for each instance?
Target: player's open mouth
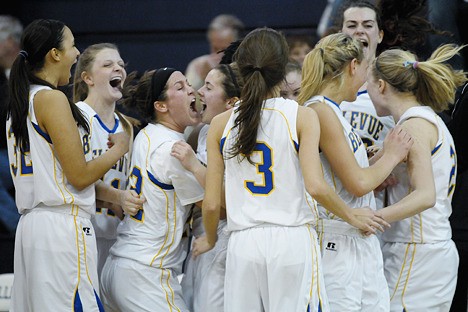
(192, 105)
(364, 42)
(115, 82)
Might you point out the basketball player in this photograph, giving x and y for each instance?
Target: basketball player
(55, 247)
(141, 271)
(99, 76)
(203, 282)
(353, 267)
(420, 258)
(361, 20)
(265, 144)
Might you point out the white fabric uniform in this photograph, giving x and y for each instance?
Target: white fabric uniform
(363, 118)
(104, 221)
(371, 128)
(267, 210)
(203, 281)
(352, 263)
(149, 251)
(421, 260)
(55, 247)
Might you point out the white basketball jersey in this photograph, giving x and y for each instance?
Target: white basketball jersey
(431, 225)
(357, 147)
(21, 171)
(363, 118)
(50, 186)
(271, 191)
(202, 154)
(152, 237)
(105, 222)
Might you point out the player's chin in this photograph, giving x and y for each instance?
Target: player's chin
(195, 119)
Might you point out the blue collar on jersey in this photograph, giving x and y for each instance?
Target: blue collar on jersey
(105, 127)
(331, 101)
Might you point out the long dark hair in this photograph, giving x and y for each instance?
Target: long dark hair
(261, 59)
(38, 39)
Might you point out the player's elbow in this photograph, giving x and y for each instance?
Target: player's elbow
(210, 207)
(79, 182)
(318, 189)
(428, 200)
(358, 188)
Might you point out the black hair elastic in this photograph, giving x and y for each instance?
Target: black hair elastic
(24, 54)
(158, 82)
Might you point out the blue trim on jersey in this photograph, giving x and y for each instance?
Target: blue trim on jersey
(361, 92)
(160, 184)
(77, 305)
(221, 145)
(42, 133)
(99, 303)
(296, 146)
(105, 127)
(436, 149)
(331, 101)
(320, 306)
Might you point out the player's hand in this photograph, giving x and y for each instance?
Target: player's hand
(398, 143)
(185, 154)
(131, 202)
(369, 221)
(201, 245)
(121, 140)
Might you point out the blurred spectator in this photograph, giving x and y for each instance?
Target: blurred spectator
(222, 30)
(299, 46)
(10, 36)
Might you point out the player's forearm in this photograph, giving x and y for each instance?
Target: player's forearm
(107, 193)
(416, 202)
(199, 172)
(210, 215)
(325, 195)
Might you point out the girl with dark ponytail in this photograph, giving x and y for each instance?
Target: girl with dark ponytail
(266, 149)
(48, 146)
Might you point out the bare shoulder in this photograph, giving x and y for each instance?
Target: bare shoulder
(421, 130)
(50, 97)
(219, 122)
(306, 114)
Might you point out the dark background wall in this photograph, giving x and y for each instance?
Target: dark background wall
(152, 34)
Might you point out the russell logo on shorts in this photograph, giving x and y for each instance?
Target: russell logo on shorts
(87, 231)
(331, 246)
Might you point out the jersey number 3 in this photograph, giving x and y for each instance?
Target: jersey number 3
(264, 169)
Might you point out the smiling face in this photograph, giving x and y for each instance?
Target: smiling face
(68, 56)
(107, 75)
(212, 96)
(291, 86)
(361, 24)
(180, 103)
